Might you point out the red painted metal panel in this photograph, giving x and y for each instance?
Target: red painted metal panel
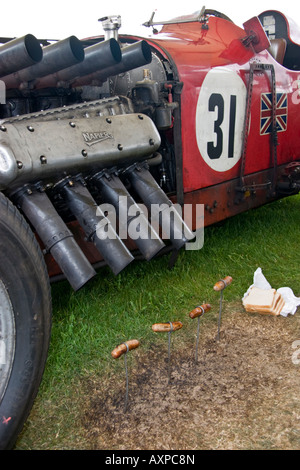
(214, 67)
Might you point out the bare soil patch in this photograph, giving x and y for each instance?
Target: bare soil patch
(243, 392)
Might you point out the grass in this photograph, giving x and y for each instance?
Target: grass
(88, 324)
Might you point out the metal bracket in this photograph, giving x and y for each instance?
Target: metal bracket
(274, 138)
(200, 17)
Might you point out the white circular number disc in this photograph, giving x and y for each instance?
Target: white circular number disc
(220, 115)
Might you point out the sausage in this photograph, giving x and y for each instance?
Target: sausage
(165, 327)
(220, 285)
(122, 348)
(199, 311)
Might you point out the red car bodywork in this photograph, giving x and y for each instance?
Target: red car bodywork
(227, 157)
(200, 55)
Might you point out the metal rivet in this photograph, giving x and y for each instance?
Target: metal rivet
(30, 128)
(43, 159)
(151, 142)
(141, 117)
(72, 124)
(120, 147)
(19, 165)
(108, 120)
(84, 153)
(3, 128)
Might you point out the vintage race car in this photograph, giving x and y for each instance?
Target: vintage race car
(118, 147)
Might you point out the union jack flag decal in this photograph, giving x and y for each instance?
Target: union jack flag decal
(266, 113)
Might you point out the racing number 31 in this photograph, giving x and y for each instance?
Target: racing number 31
(215, 149)
(220, 116)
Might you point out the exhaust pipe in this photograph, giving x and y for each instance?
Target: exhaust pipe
(133, 56)
(96, 57)
(154, 198)
(19, 53)
(145, 237)
(91, 218)
(56, 236)
(56, 57)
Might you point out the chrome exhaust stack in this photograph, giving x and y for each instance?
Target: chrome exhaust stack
(55, 235)
(163, 212)
(129, 213)
(97, 227)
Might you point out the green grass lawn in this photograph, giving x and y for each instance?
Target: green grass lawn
(88, 324)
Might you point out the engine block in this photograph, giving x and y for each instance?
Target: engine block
(78, 138)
